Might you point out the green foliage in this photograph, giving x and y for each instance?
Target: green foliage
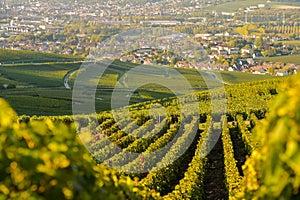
(238, 77)
(252, 97)
(147, 145)
(161, 177)
(272, 172)
(42, 159)
(39, 88)
(294, 59)
(247, 136)
(232, 176)
(16, 56)
(231, 6)
(259, 43)
(249, 29)
(191, 185)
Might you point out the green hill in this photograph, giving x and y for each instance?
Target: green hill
(35, 88)
(38, 89)
(294, 59)
(19, 56)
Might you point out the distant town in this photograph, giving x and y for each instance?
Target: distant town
(235, 40)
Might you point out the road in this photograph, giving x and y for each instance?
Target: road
(67, 78)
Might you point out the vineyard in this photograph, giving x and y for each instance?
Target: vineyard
(27, 56)
(255, 157)
(39, 89)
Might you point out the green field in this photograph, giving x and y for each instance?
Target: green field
(234, 5)
(290, 43)
(40, 88)
(27, 56)
(282, 5)
(238, 77)
(36, 75)
(294, 59)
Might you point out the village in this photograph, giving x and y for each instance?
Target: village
(219, 55)
(75, 27)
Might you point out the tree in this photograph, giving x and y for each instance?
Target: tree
(247, 46)
(242, 31)
(232, 43)
(11, 38)
(226, 63)
(259, 43)
(271, 70)
(233, 60)
(221, 59)
(19, 38)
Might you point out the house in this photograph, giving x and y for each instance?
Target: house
(222, 52)
(282, 73)
(257, 54)
(244, 63)
(214, 48)
(260, 71)
(238, 67)
(123, 59)
(148, 61)
(206, 36)
(213, 56)
(182, 64)
(246, 51)
(233, 51)
(231, 69)
(250, 61)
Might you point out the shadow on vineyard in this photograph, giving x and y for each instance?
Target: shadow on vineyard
(214, 182)
(240, 153)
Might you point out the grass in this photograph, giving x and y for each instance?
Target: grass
(41, 75)
(290, 43)
(27, 56)
(239, 77)
(40, 88)
(235, 5)
(39, 101)
(279, 5)
(294, 59)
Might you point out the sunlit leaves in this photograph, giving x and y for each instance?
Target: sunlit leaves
(273, 172)
(43, 158)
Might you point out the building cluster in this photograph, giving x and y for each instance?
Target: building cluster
(214, 52)
(102, 10)
(40, 17)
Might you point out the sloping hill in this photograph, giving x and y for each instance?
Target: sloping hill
(16, 56)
